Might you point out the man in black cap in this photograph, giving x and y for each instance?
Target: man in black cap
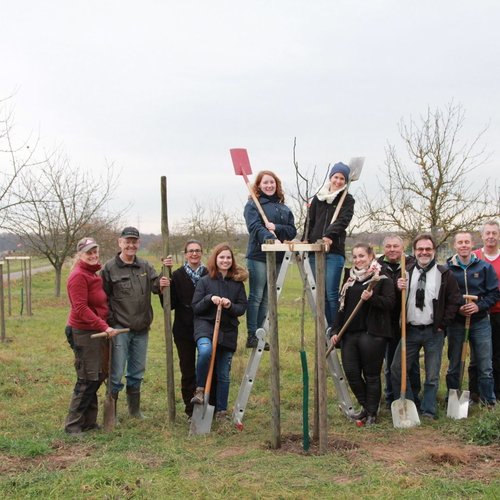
(129, 282)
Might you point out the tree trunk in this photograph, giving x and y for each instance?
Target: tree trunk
(58, 278)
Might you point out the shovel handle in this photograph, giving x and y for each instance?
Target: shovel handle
(106, 334)
(403, 327)
(208, 383)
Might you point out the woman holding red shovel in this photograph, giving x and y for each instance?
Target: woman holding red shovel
(89, 310)
(223, 285)
(365, 339)
(280, 225)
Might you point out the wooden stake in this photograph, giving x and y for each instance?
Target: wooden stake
(169, 351)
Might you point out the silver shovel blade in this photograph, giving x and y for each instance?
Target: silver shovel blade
(458, 404)
(201, 421)
(404, 413)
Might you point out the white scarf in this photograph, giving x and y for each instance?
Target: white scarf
(360, 275)
(324, 194)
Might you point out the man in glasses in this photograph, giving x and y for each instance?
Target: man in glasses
(182, 287)
(432, 300)
(128, 282)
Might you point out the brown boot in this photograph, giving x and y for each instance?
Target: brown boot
(197, 399)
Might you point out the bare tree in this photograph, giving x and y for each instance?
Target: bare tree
(14, 158)
(61, 204)
(435, 190)
(212, 224)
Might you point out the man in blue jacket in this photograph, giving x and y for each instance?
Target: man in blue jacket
(475, 277)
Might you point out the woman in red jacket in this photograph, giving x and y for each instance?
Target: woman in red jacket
(89, 310)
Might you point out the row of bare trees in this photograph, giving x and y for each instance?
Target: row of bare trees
(49, 203)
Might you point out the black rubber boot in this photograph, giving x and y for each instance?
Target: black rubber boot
(134, 402)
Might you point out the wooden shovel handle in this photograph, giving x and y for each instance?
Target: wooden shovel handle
(106, 334)
(403, 327)
(208, 383)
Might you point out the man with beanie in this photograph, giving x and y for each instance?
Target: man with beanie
(329, 225)
(128, 282)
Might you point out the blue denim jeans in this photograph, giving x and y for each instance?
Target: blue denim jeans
(433, 350)
(481, 350)
(222, 370)
(257, 296)
(333, 272)
(129, 350)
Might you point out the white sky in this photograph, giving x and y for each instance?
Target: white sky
(168, 87)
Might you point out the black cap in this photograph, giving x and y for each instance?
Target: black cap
(130, 232)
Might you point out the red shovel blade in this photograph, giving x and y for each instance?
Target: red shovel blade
(241, 162)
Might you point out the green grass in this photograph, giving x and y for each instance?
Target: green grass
(153, 459)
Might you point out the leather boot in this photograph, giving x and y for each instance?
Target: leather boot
(134, 402)
(361, 415)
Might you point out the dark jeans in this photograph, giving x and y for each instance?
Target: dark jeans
(413, 374)
(362, 358)
(495, 341)
(186, 349)
(432, 343)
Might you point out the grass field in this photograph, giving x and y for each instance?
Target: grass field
(153, 459)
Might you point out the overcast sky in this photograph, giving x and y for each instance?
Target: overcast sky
(167, 88)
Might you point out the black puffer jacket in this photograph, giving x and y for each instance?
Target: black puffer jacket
(205, 310)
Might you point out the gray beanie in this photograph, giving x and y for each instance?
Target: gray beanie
(340, 168)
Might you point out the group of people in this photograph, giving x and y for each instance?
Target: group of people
(120, 297)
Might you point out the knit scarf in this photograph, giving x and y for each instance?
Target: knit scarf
(194, 274)
(360, 275)
(422, 279)
(324, 194)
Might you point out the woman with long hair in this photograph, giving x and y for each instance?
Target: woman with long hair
(328, 225)
(281, 227)
(88, 314)
(222, 285)
(364, 342)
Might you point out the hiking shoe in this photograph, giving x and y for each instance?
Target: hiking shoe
(252, 341)
(197, 399)
(221, 415)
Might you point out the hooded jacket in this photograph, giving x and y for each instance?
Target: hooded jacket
(205, 310)
(277, 213)
(477, 278)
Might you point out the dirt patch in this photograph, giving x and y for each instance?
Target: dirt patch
(293, 443)
(64, 456)
(232, 452)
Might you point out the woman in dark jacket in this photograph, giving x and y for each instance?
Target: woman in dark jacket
(281, 226)
(223, 285)
(364, 342)
(89, 310)
(321, 213)
(182, 286)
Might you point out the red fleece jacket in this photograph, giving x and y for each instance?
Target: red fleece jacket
(89, 304)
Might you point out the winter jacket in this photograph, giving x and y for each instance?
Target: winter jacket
(478, 278)
(496, 266)
(205, 310)
(181, 296)
(320, 217)
(446, 305)
(394, 273)
(129, 288)
(89, 305)
(277, 213)
(374, 316)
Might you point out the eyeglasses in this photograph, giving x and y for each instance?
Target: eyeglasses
(196, 250)
(426, 249)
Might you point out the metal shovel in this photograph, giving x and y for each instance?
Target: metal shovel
(458, 400)
(201, 421)
(404, 412)
(241, 164)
